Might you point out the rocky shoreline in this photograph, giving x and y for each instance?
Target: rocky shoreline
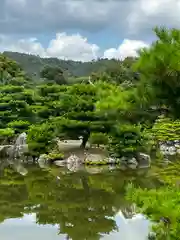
(75, 156)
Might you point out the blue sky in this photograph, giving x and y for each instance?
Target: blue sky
(83, 29)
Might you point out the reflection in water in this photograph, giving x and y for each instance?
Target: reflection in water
(57, 204)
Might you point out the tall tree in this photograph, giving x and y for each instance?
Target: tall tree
(53, 74)
(159, 67)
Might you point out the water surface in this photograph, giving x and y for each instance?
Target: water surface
(55, 203)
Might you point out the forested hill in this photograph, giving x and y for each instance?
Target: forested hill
(32, 64)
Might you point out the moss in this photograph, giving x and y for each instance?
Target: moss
(99, 162)
(54, 155)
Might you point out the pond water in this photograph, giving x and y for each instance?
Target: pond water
(56, 204)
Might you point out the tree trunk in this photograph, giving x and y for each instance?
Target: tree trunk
(85, 139)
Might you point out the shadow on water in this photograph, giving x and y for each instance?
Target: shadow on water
(54, 203)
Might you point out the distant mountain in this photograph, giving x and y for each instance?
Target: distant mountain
(32, 64)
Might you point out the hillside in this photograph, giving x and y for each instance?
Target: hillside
(33, 64)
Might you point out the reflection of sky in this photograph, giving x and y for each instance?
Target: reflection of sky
(26, 228)
(136, 228)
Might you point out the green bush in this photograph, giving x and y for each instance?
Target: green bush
(98, 139)
(126, 140)
(162, 207)
(19, 126)
(6, 134)
(40, 138)
(166, 129)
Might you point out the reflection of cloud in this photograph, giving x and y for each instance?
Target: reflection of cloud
(28, 219)
(136, 228)
(26, 228)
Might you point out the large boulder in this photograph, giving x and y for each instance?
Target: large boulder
(73, 163)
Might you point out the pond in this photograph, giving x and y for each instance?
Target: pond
(54, 203)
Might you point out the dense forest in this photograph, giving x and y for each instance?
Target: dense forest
(130, 106)
(33, 65)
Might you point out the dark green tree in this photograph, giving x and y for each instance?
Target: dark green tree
(53, 74)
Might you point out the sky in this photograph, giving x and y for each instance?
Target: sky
(83, 29)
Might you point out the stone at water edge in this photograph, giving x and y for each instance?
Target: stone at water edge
(21, 169)
(60, 163)
(178, 151)
(4, 150)
(163, 147)
(94, 159)
(21, 140)
(132, 163)
(42, 161)
(144, 160)
(111, 160)
(73, 158)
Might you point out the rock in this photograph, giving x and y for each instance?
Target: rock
(169, 143)
(132, 163)
(17, 150)
(144, 160)
(73, 158)
(124, 159)
(21, 169)
(94, 170)
(178, 151)
(177, 145)
(111, 160)
(73, 166)
(4, 151)
(60, 163)
(95, 159)
(172, 150)
(21, 140)
(112, 167)
(43, 161)
(163, 147)
(73, 163)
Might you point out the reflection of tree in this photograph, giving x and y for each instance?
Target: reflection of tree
(13, 195)
(83, 205)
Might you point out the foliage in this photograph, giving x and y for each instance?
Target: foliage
(93, 199)
(33, 65)
(162, 207)
(159, 69)
(53, 74)
(40, 138)
(6, 134)
(166, 129)
(126, 140)
(98, 139)
(19, 125)
(118, 73)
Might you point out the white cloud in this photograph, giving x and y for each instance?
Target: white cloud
(72, 47)
(128, 48)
